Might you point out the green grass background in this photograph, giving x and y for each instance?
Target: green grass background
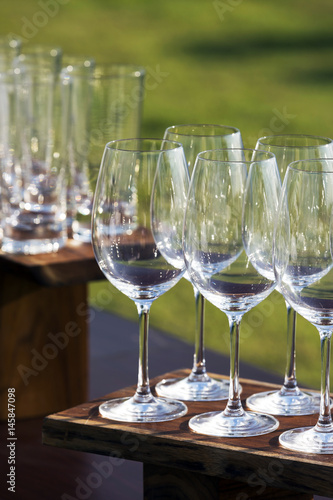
(260, 65)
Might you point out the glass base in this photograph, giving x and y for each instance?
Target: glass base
(194, 388)
(148, 410)
(248, 424)
(308, 440)
(285, 403)
(33, 246)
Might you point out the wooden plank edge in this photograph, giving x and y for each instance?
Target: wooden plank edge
(52, 269)
(243, 466)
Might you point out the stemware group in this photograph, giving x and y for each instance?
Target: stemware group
(237, 223)
(230, 229)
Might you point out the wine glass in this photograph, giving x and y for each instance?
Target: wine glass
(228, 249)
(199, 386)
(304, 269)
(137, 223)
(290, 400)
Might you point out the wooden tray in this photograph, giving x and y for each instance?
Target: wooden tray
(256, 464)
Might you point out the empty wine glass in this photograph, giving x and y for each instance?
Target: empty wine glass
(138, 215)
(228, 248)
(199, 386)
(304, 270)
(290, 400)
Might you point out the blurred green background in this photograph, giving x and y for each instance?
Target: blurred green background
(265, 67)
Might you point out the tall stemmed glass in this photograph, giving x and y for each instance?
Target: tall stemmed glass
(304, 269)
(290, 400)
(228, 248)
(198, 386)
(138, 215)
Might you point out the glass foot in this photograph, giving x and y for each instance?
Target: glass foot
(220, 425)
(145, 410)
(194, 388)
(285, 403)
(308, 440)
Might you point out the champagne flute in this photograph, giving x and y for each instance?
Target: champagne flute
(137, 223)
(199, 386)
(228, 249)
(304, 269)
(290, 399)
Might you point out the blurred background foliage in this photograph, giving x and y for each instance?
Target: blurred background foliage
(265, 67)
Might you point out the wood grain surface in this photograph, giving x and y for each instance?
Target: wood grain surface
(43, 346)
(44, 320)
(258, 462)
(73, 264)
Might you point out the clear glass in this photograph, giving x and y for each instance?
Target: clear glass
(10, 147)
(199, 386)
(33, 135)
(290, 399)
(79, 116)
(228, 242)
(106, 104)
(304, 269)
(137, 223)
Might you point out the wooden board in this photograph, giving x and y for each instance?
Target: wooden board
(256, 461)
(44, 320)
(73, 264)
(43, 346)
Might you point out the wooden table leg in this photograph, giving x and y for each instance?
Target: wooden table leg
(43, 346)
(163, 483)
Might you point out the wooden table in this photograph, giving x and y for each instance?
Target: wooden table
(44, 320)
(181, 464)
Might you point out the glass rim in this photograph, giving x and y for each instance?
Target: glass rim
(109, 144)
(45, 75)
(33, 62)
(293, 165)
(269, 154)
(75, 60)
(235, 130)
(326, 140)
(39, 48)
(105, 70)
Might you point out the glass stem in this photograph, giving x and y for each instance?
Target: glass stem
(290, 382)
(199, 365)
(324, 423)
(234, 407)
(143, 393)
(199, 362)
